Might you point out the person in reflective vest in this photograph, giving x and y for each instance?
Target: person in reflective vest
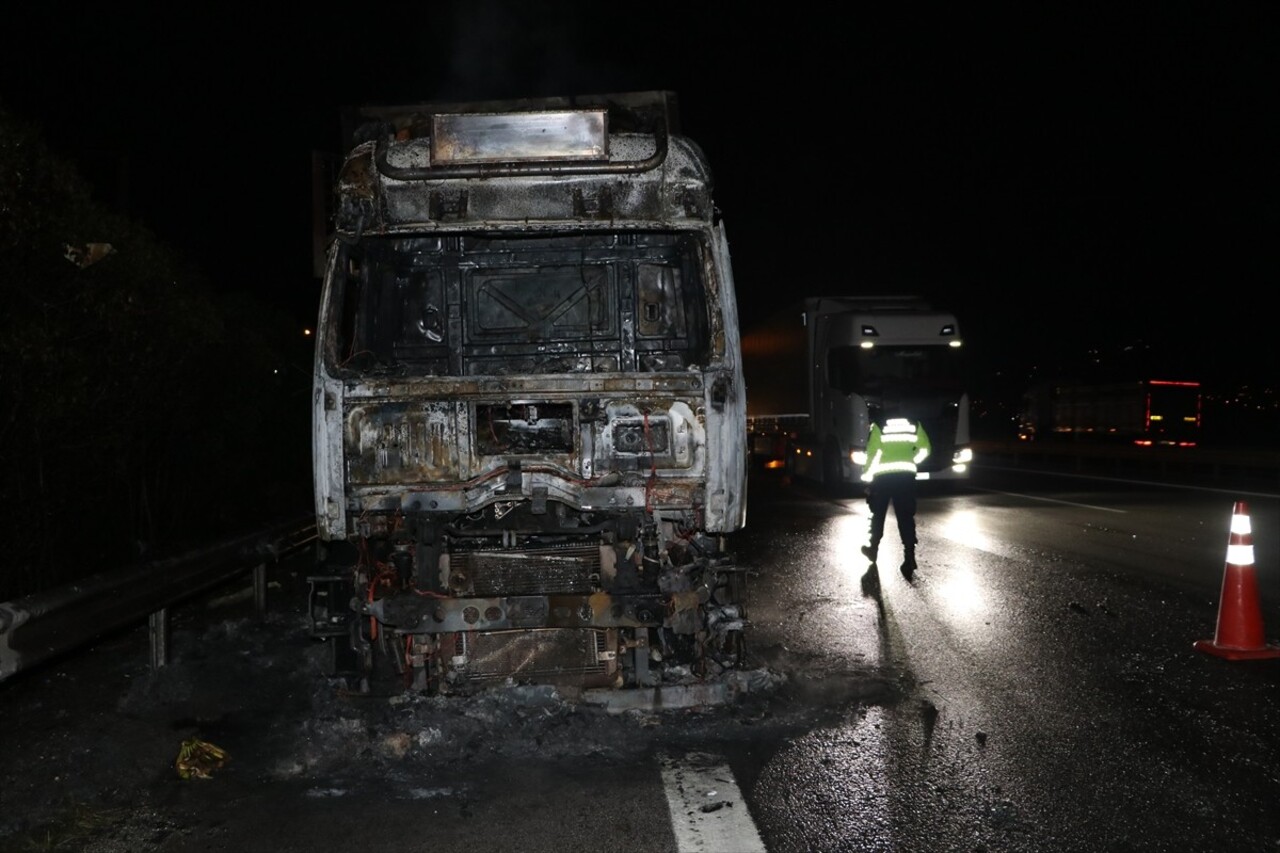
(895, 450)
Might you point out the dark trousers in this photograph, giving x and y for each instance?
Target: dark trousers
(900, 491)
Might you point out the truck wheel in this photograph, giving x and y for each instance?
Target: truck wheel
(735, 646)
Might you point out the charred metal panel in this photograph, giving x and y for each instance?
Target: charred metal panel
(661, 311)
(675, 191)
(726, 509)
(416, 458)
(373, 388)
(402, 442)
(493, 491)
(641, 436)
(524, 429)
(614, 492)
(580, 657)
(419, 615)
(647, 434)
(357, 189)
(543, 303)
(328, 472)
(539, 135)
(566, 569)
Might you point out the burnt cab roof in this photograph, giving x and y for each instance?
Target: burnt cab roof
(628, 112)
(548, 162)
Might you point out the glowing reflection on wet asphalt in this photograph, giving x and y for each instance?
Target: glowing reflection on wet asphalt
(962, 526)
(963, 599)
(848, 534)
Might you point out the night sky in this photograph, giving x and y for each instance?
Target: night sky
(1062, 177)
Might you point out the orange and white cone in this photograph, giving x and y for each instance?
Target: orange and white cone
(1239, 635)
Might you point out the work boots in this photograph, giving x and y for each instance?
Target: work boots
(909, 564)
(869, 551)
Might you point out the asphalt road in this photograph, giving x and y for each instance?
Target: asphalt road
(1050, 698)
(1035, 688)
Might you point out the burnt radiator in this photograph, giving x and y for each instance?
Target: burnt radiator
(526, 571)
(581, 657)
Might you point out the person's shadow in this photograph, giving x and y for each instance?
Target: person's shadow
(871, 582)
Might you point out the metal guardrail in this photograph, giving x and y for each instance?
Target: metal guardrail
(40, 626)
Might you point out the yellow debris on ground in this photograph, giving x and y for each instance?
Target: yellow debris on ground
(197, 759)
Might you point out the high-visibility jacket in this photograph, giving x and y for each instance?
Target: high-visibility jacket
(899, 447)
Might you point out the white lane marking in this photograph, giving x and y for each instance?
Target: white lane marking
(708, 813)
(1052, 500)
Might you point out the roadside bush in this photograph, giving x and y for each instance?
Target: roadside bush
(141, 410)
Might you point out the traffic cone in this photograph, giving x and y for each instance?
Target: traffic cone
(1239, 635)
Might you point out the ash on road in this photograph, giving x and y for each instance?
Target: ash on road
(92, 741)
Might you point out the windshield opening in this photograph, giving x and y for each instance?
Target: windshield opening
(470, 305)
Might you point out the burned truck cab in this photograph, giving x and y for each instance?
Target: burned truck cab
(529, 411)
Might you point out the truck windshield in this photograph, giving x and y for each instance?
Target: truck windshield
(894, 369)
(478, 304)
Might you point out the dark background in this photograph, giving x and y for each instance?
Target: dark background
(1089, 188)
(1064, 177)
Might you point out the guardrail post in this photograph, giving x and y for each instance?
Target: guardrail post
(158, 629)
(260, 588)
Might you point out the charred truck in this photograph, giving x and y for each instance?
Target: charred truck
(529, 411)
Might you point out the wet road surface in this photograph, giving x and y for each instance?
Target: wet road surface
(1034, 688)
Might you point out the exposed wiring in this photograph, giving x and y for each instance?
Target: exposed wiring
(653, 466)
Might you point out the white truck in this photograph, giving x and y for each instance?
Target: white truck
(819, 372)
(529, 407)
